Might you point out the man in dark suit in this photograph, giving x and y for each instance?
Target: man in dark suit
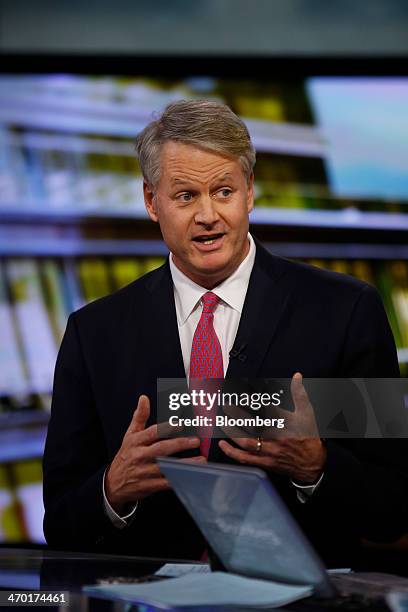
(102, 487)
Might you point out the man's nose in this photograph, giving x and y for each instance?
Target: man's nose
(206, 213)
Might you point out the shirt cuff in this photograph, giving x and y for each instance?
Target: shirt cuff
(305, 492)
(118, 521)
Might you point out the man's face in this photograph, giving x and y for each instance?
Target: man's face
(201, 202)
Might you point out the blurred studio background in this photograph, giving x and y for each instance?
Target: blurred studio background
(323, 88)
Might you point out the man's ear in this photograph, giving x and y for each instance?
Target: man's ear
(250, 192)
(149, 201)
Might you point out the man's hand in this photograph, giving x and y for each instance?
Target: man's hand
(297, 452)
(134, 473)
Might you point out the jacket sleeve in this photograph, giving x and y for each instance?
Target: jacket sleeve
(75, 456)
(366, 480)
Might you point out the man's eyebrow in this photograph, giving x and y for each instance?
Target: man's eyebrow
(179, 181)
(223, 177)
(219, 179)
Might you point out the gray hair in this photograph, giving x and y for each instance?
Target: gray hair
(201, 123)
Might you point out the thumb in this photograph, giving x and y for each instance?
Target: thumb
(299, 395)
(305, 416)
(140, 415)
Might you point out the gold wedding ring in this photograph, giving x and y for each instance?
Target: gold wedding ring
(259, 445)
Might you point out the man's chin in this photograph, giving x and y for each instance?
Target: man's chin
(213, 274)
(207, 269)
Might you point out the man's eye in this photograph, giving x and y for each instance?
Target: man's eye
(225, 193)
(185, 197)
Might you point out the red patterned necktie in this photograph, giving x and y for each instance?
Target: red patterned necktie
(206, 361)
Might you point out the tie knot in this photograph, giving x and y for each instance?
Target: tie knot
(210, 302)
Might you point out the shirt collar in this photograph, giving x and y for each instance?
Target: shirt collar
(232, 291)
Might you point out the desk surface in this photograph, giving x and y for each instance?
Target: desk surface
(26, 569)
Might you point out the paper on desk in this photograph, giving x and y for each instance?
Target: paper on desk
(217, 588)
(172, 570)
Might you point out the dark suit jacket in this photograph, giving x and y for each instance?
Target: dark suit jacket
(295, 318)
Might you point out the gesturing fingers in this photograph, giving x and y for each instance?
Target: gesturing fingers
(301, 460)
(245, 457)
(170, 447)
(151, 434)
(199, 459)
(146, 437)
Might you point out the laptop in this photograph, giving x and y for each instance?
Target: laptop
(246, 523)
(253, 534)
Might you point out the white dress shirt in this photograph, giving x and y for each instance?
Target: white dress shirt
(232, 293)
(227, 315)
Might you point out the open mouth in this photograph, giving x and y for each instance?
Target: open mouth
(207, 239)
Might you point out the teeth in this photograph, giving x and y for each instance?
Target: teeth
(209, 241)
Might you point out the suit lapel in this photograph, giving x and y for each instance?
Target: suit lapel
(264, 305)
(163, 329)
(164, 334)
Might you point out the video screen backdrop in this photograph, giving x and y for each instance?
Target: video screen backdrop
(332, 152)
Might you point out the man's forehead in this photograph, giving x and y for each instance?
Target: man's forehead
(182, 162)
